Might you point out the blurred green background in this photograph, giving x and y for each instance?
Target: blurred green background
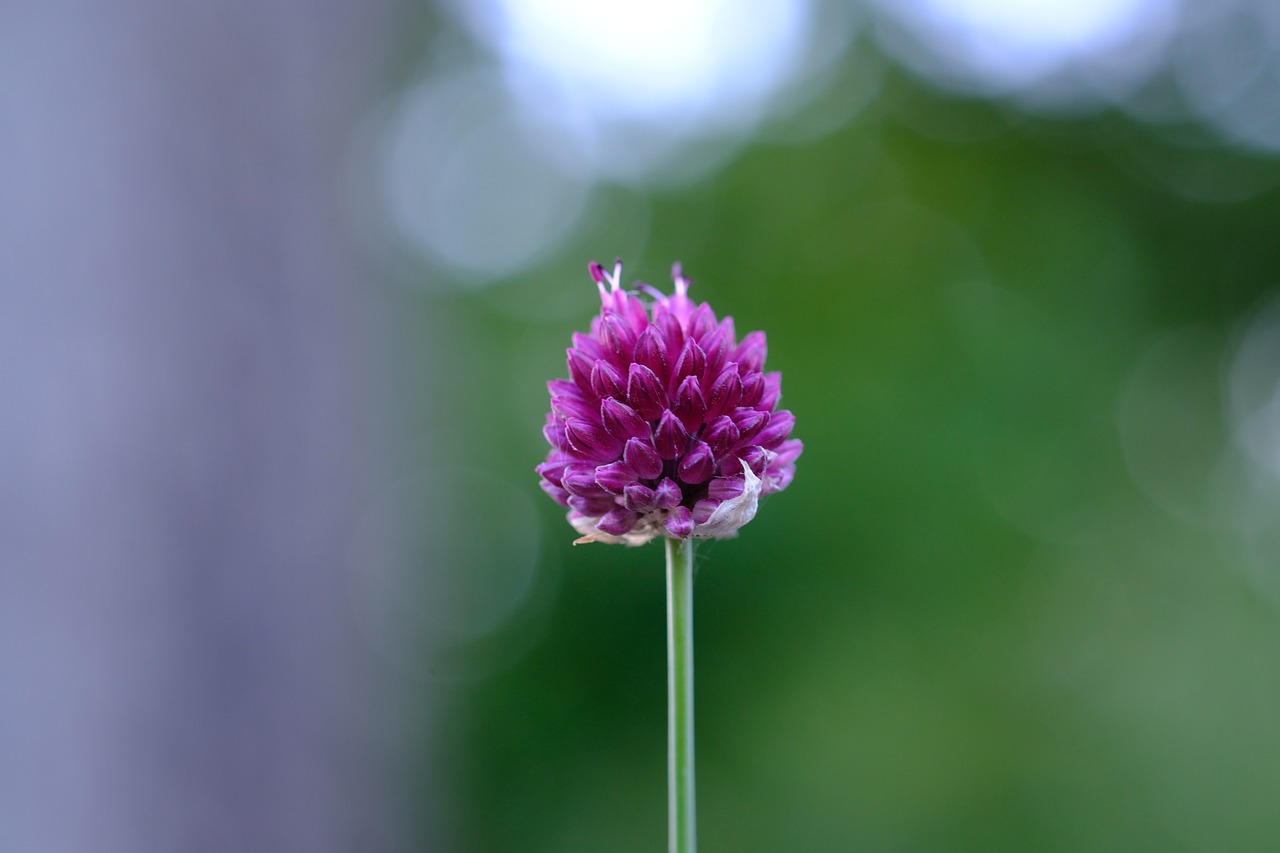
(1022, 593)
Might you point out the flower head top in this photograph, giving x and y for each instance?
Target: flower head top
(667, 424)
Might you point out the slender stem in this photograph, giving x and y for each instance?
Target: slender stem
(680, 788)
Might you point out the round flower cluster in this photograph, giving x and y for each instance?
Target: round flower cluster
(667, 424)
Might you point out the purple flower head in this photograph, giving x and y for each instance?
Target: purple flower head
(667, 425)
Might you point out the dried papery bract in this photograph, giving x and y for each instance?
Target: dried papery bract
(668, 424)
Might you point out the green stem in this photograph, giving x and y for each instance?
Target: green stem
(680, 789)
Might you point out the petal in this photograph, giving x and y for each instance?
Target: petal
(697, 465)
(789, 451)
(580, 365)
(618, 521)
(554, 433)
(679, 522)
(667, 494)
(672, 333)
(721, 434)
(618, 338)
(779, 428)
(552, 472)
(692, 361)
(557, 494)
(772, 391)
(572, 406)
(670, 438)
(588, 344)
(752, 388)
(621, 421)
(614, 477)
(581, 481)
(756, 458)
(730, 335)
(703, 510)
(689, 406)
(717, 350)
(592, 506)
(640, 498)
(751, 353)
(591, 440)
(607, 380)
(644, 392)
(700, 322)
(749, 422)
(651, 351)
(725, 392)
(725, 488)
(642, 458)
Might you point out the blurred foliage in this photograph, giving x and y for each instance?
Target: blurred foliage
(964, 627)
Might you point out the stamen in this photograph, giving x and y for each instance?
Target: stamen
(682, 283)
(599, 277)
(615, 283)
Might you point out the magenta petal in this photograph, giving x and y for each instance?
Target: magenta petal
(726, 488)
(581, 481)
(618, 521)
(725, 392)
(772, 391)
(580, 365)
(572, 406)
(779, 428)
(717, 350)
(557, 494)
(703, 509)
(645, 392)
(588, 345)
(621, 421)
(789, 451)
(651, 351)
(779, 477)
(667, 494)
(679, 523)
(701, 322)
(640, 498)
(698, 464)
(751, 353)
(618, 338)
(691, 362)
(552, 472)
(672, 334)
(592, 507)
(565, 388)
(607, 380)
(757, 458)
(721, 435)
(752, 388)
(614, 477)
(591, 440)
(670, 438)
(689, 406)
(642, 458)
(749, 422)
(553, 432)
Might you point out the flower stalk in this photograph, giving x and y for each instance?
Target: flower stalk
(667, 426)
(682, 831)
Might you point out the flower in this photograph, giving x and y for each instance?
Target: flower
(667, 424)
